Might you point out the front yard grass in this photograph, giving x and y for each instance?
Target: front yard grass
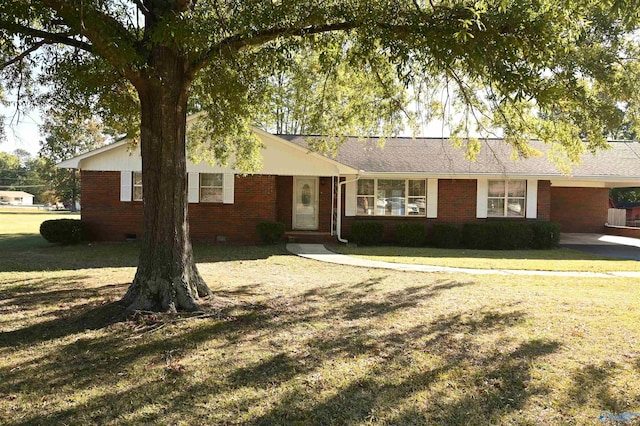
(287, 341)
(562, 259)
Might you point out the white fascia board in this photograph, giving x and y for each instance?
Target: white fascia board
(74, 163)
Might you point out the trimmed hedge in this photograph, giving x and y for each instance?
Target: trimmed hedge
(476, 236)
(446, 235)
(367, 232)
(270, 232)
(546, 235)
(505, 235)
(63, 231)
(410, 234)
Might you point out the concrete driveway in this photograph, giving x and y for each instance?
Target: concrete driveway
(603, 245)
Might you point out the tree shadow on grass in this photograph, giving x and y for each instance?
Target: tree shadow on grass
(388, 362)
(591, 387)
(32, 257)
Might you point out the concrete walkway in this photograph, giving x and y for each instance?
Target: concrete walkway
(321, 253)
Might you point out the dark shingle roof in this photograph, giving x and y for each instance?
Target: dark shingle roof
(439, 156)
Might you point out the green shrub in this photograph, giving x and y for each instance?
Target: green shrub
(270, 232)
(446, 235)
(410, 234)
(367, 232)
(508, 235)
(546, 235)
(476, 236)
(498, 235)
(63, 231)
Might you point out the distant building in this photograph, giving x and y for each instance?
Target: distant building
(16, 198)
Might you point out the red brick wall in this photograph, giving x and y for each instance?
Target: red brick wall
(457, 200)
(580, 209)
(544, 200)
(284, 186)
(254, 202)
(109, 219)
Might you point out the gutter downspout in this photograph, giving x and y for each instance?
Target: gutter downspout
(339, 218)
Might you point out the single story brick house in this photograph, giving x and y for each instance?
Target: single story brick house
(317, 197)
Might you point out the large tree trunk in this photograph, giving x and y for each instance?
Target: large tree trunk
(167, 278)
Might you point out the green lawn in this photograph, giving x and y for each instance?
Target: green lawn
(529, 260)
(19, 228)
(290, 341)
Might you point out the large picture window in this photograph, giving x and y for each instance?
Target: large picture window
(507, 198)
(211, 187)
(392, 197)
(137, 186)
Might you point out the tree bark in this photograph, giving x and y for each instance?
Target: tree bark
(167, 278)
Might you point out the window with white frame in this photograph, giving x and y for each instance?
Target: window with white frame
(137, 186)
(211, 187)
(391, 197)
(507, 198)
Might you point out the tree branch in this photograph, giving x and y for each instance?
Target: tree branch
(239, 43)
(49, 37)
(24, 54)
(142, 8)
(109, 38)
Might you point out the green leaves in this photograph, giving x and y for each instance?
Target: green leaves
(562, 71)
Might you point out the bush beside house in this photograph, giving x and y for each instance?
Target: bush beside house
(491, 235)
(63, 231)
(270, 232)
(410, 234)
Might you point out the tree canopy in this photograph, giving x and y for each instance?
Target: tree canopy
(559, 70)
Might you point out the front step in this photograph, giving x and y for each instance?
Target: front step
(308, 237)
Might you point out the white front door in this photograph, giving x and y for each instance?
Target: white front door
(305, 203)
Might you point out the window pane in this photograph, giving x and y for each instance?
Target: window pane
(391, 206)
(515, 207)
(211, 195)
(496, 188)
(137, 178)
(365, 205)
(391, 188)
(211, 179)
(495, 207)
(137, 193)
(517, 188)
(417, 188)
(365, 187)
(417, 206)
